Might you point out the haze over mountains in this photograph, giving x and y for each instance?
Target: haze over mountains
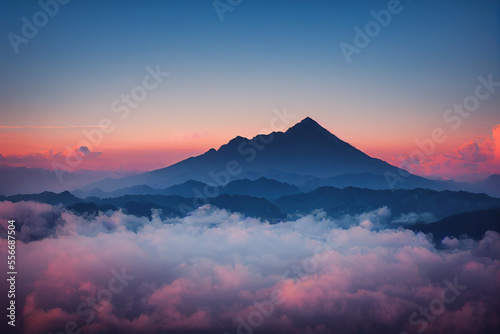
(22, 180)
(306, 155)
(426, 205)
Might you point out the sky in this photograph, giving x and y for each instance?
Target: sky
(223, 70)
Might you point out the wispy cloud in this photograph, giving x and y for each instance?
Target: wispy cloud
(46, 159)
(49, 126)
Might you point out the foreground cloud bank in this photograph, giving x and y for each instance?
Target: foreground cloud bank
(217, 272)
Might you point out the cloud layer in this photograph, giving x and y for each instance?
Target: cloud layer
(216, 271)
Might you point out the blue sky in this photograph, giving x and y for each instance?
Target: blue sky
(227, 76)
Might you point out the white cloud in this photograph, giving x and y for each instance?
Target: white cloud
(207, 271)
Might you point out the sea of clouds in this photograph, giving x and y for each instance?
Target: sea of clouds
(220, 272)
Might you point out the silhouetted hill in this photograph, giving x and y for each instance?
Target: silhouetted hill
(250, 206)
(65, 198)
(471, 224)
(185, 189)
(90, 208)
(96, 192)
(379, 182)
(350, 200)
(262, 187)
(135, 190)
(334, 201)
(490, 186)
(172, 205)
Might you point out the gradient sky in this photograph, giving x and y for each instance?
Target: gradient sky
(226, 77)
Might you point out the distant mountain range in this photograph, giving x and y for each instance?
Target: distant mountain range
(304, 153)
(337, 202)
(262, 187)
(304, 158)
(423, 205)
(48, 197)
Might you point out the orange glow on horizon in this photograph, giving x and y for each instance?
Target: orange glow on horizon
(140, 151)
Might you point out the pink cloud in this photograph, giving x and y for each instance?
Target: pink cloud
(42, 321)
(474, 152)
(481, 157)
(47, 159)
(191, 275)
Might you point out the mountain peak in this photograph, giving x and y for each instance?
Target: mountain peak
(309, 122)
(233, 144)
(308, 127)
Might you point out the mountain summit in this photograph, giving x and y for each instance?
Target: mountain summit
(309, 128)
(305, 151)
(307, 124)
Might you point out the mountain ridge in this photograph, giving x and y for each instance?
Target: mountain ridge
(305, 149)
